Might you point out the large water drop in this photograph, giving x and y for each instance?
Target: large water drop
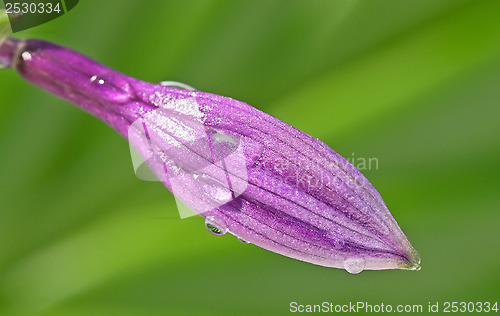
(354, 265)
(216, 225)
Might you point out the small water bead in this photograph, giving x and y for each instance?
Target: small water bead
(213, 189)
(176, 84)
(222, 145)
(113, 88)
(26, 56)
(243, 241)
(215, 226)
(220, 137)
(214, 230)
(354, 265)
(416, 266)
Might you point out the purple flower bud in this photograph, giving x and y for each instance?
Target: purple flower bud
(243, 170)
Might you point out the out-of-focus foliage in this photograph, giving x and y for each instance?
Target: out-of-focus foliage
(411, 83)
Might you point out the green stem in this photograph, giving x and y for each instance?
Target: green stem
(4, 26)
(6, 20)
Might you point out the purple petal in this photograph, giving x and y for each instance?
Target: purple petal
(243, 170)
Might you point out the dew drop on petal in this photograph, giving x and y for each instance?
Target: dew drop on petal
(416, 267)
(214, 190)
(354, 265)
(113, 88)
(243, 241)
(176, 84)
(215, 225)
(26, 56)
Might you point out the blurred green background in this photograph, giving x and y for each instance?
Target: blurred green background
(413, 83)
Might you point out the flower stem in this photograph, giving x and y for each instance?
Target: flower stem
(6, 21)
(8, 49)
(8, 46)
(4, 25)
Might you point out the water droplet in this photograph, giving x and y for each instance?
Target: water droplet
(176, 84)
(26, 56)
(354, 265)
(220, 137)
(416, 267)
(213, 189)
(112, 87)
(215, 225)
(243, 241)
(222, 144)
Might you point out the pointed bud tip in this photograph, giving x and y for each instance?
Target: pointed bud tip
(413, 263)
